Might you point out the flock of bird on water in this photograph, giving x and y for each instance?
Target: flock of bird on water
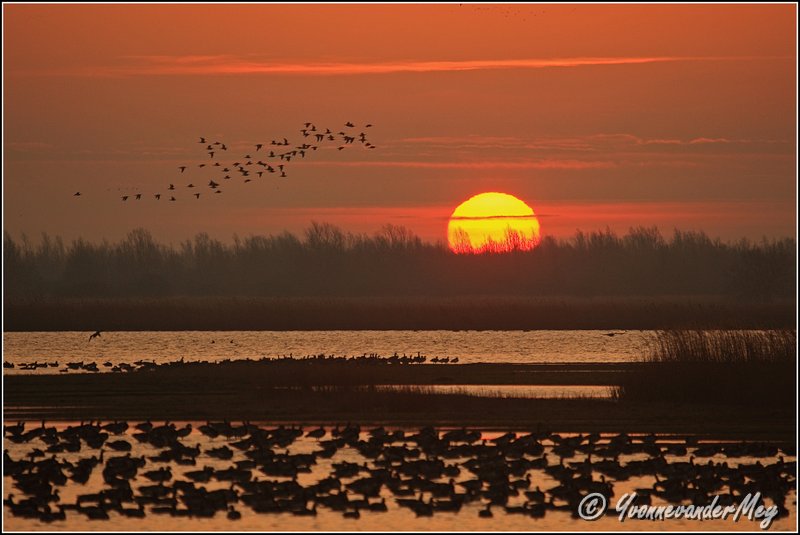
(145, 365)
(273, 159)
(427, 471)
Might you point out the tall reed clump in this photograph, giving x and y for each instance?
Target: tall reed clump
(756, 368)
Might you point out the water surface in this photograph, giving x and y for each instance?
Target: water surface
(519, 347)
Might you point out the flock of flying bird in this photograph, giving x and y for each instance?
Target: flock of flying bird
(272, 158)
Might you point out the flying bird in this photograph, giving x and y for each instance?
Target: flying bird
(77, 194)
(95, 335)
(302, 151)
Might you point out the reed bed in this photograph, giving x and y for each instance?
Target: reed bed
(757, 368)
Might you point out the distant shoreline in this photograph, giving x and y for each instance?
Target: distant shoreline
(393, 313)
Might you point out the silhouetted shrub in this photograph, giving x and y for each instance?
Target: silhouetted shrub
(327, 261)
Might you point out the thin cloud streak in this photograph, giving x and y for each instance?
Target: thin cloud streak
(579, 143)
(234, 65)
(526, 164)
(481, 218)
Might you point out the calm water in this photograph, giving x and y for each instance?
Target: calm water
(513, 391)
(397, 518)
(521, 347)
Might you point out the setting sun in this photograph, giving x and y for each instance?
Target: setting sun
(492, 222)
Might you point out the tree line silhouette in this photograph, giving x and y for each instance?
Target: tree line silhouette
(327, 261)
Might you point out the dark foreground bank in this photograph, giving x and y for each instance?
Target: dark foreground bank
(315, 393)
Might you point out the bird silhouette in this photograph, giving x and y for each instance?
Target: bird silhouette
(244, 167)
(96, 334)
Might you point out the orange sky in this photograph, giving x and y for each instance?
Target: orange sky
(595, 115)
